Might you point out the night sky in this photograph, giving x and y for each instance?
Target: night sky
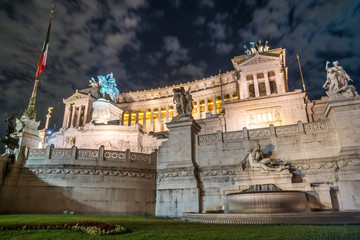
(149, 44)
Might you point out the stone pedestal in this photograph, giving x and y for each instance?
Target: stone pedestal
(250, 178)
(28, 135)
(105, 111)
(179, 184)
(345, 116)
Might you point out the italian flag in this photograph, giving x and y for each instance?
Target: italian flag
(42, 60)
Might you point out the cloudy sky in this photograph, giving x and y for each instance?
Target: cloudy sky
(148, 44)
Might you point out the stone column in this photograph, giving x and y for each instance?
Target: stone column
(237, 87)
(152, 120)
(256, 85)
(86, 113)
(244, 88)
(214, 105)
(48, 116)
(79, 116)
(159, 120)
(267, 83)
(166, 118)
(144, 121)
(66, 116)
(198, 116)
(122, 119)
(279, 85)
(129, 119)
(206, 105)
(72, 116)
(176, 195)
(137, 117)
(167, 114)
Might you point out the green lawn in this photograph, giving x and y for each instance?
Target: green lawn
(170, 229)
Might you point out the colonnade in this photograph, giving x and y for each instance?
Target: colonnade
(154, 119)
(262, 83)
(75, 115)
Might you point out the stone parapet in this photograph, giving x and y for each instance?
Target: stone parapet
(89, 157)
(287, 130)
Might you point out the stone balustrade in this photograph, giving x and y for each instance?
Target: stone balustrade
(99, 155)
(271, 131)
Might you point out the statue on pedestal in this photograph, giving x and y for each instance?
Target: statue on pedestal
(108, 85)
(337, 82)
(183, 101)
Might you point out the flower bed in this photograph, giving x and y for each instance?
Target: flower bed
(93, 228)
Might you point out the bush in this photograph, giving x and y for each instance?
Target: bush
(93, 228)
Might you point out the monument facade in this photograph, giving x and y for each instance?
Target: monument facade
(185, 148)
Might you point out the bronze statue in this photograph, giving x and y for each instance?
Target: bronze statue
(10, 140)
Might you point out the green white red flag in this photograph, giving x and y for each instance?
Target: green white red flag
(42, 60)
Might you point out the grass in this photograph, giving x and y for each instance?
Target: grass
(159, 228)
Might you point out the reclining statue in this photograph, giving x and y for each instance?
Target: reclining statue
(255, 158)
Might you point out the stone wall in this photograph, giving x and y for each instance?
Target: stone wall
(325, 154)
(82, 181)
(311, 147)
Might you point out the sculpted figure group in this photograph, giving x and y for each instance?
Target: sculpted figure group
(108, 85)
(256, 47)
(337, 82)
(183, 101)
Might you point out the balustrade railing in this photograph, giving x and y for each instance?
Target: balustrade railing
(271, 131)
(89, 154)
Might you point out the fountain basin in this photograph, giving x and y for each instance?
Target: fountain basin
(266, 202)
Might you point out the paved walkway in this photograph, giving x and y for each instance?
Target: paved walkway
(276, 218)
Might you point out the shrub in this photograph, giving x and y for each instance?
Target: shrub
(93, 228)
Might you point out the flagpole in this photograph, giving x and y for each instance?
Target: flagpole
(302, 78)
(30, 111)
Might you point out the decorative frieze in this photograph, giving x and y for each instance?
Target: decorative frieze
(60, 153)
(37, 153)
(223, 171)
(115, 155)
(140, 173)
(175, 172)
(316, 127)
(208, 138)
(228, 136)
(140, 157)
(287, 130)
(259, 133)
(88, 153)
